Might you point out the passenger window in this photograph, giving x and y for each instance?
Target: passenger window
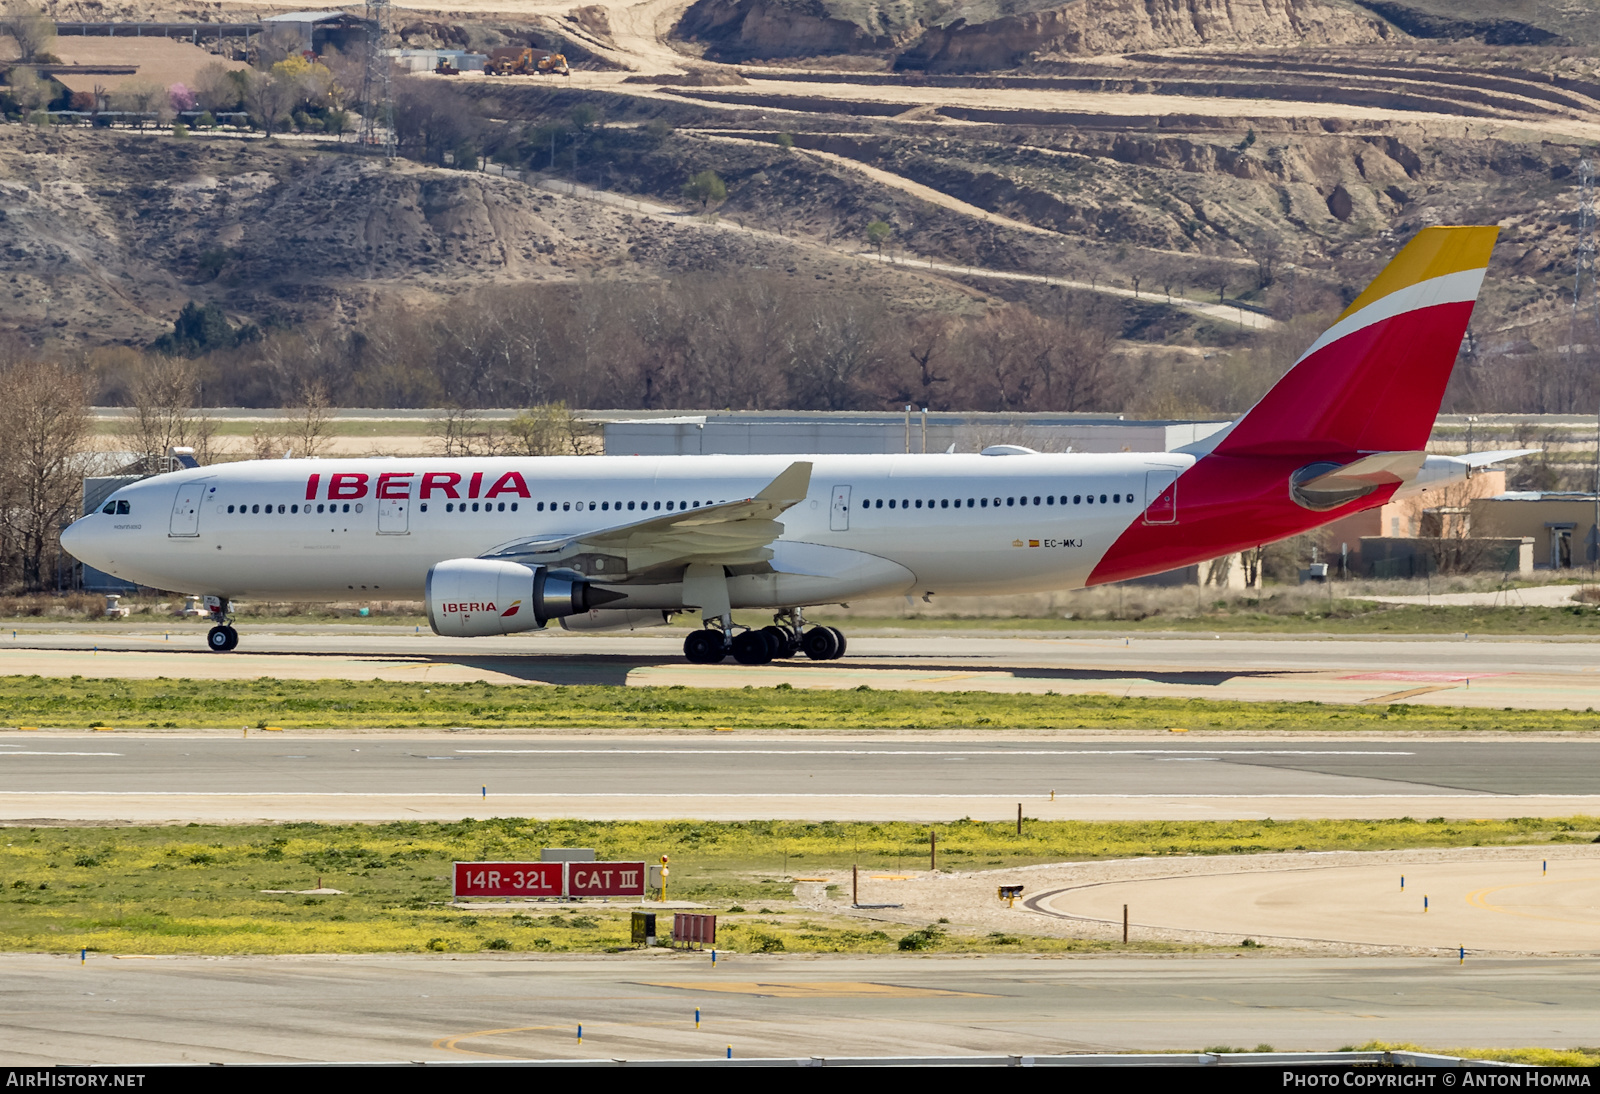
(346, 507)
(255, 508)
(658, 505)
(280, 509)
(1091, 499)
(108, 508)
(294, 508)
(1036, 499)
(945, 503)
(449, 507)
(984, 502)
(1050, 499)
(566, 505)
(669, 505)
(905, 503)
(1102, 499)
(1013, 501)
(605, 505)
(891, 503)
(919, 503)
(1077, 499)
(423, 507)
(319, 508)
(630, 507)
(969, 503)
(513, 507)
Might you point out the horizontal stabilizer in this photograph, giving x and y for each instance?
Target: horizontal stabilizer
(1378, 469)
(1487, 459)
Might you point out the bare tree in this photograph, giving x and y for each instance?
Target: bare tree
(269, 98)
(216, 89)
(33, 29)
(164, 394)
(44, 427)
(27, 90)
(548, 430)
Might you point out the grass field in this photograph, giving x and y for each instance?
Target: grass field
(197, 889)
(49, 702)
(1340, 618)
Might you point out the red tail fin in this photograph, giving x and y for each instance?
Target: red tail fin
(1374, 380)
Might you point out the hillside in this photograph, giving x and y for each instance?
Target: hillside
(982, 35)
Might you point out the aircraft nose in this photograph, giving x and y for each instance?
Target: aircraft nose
(78, 540)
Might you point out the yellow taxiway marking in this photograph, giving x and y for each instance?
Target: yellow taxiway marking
(816, 989)
(451, 1044)
(1396, 696)
(891, 877)
(1480, 899)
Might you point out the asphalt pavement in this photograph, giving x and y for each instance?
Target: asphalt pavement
(413, 1008)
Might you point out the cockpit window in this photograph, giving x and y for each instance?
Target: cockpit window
(116, 508)
(111, 507)
(122, 508)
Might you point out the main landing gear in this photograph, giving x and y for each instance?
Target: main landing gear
(786, 637)
(222, 637)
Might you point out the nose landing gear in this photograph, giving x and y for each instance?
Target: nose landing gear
(222, 637)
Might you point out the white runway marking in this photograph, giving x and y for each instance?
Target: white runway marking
(912, 752)
(60, 753)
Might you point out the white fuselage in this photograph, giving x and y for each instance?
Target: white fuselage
(318, 529)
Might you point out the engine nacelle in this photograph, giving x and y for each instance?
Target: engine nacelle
(474, 597)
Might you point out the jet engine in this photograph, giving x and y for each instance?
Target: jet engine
(473, 597)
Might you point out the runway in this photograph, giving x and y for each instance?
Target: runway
(1441, 671)
(478, 1007)
(358, 777)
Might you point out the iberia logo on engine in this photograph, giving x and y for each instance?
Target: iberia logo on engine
(516, 606)
(489, 607)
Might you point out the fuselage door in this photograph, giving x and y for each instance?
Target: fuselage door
(186, 509)
(839, 516)
(394, 515)
(1161, 497)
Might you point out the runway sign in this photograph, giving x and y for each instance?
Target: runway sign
(548, 879)
(524, 879)
(605, 879)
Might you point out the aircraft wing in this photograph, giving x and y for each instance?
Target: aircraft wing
(730, 533)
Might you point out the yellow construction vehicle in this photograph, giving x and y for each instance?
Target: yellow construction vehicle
(514, 61)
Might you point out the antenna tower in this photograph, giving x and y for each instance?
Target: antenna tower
(377, 101)
(1585, 301)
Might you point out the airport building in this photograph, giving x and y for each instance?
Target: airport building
(757, 432)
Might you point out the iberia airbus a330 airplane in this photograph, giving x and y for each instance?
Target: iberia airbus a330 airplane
(495, 546)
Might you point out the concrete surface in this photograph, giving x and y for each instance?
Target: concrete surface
(430, 1008)
(1471, 671)
(354, 777)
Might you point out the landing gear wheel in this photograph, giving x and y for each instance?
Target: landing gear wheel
(704, 647)
(821, 643)
(221, 639)
(752, 648)
(781, 642)
(838, 653)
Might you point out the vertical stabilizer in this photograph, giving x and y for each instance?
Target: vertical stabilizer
(1374, 381)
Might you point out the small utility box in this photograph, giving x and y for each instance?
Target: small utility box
(567, 854)
(1009, 893)
(644, 928)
